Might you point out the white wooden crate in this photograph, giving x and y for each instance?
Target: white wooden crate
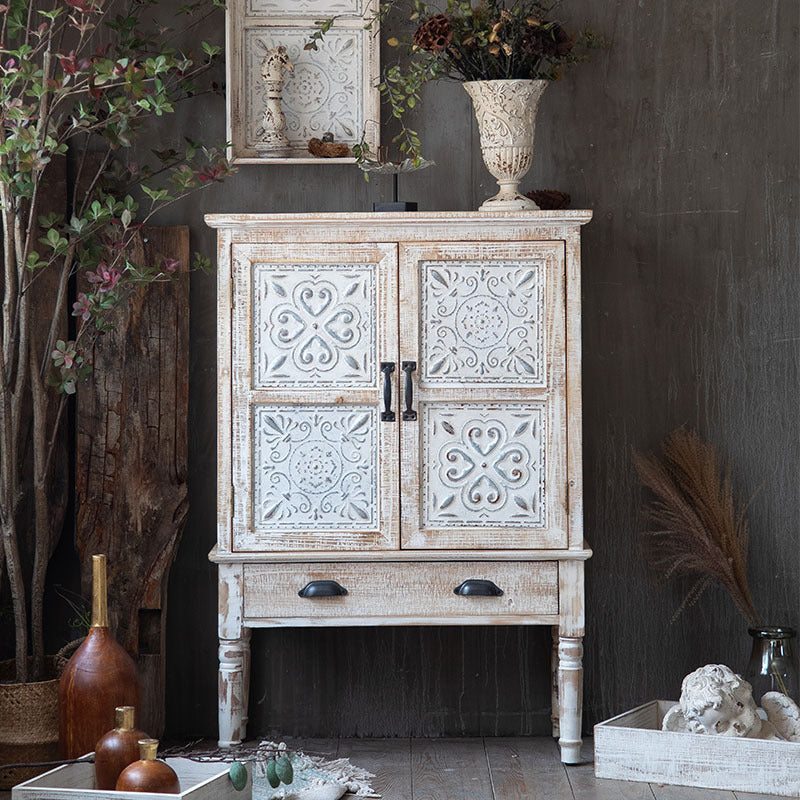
(198, 780)
(632, 747)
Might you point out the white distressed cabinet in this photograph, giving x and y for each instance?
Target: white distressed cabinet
(399, 435)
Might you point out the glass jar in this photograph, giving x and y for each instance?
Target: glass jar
(772, 665)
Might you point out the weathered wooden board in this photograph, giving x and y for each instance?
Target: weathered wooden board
(388, 760)
(132, 460)
(527, 769)
(632, 747)
(452, 768)
(198, 781)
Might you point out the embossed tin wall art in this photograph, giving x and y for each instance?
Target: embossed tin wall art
(331, 89)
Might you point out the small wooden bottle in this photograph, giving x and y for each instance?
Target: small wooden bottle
(148, 774)
(117, 749)
(99, 677)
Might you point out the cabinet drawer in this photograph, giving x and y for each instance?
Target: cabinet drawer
(400, 590)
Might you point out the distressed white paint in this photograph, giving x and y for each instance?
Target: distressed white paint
(484, 467)
(506, 114)
(332, 88)
(311, 479)
(482, 323)
(198, 781)
(315, 466)
(412, 590)
(632, 747)
(314, 325)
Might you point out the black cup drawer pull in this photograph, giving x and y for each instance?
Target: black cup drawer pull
(478, 587)
(322, 589)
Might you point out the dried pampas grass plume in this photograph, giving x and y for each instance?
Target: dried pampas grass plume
(699, 533)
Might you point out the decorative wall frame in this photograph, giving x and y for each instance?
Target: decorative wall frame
(334, 88)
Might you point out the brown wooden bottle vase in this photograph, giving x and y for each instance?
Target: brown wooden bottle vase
(117, 749)
(99, 677)
(148, 774)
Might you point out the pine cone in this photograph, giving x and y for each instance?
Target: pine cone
(550, 199)
(549, 42)
(435, 34)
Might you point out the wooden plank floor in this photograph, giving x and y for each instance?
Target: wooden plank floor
(493, 769)
(488, 769)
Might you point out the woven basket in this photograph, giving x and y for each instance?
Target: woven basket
(28, 723)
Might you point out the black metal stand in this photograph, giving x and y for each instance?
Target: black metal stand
(395, 205)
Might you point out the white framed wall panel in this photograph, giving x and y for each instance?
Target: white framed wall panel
(333, 88)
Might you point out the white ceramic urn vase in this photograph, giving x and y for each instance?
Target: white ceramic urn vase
(506, 113)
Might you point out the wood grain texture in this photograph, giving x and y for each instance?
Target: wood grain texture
(389, 761)
(633, 747)
(683, 139)
(247, 395)
(663, 792)
(99, 676)
(131, 461)
(199, 781)
(400, 589)
(452, 768)
(527, 769)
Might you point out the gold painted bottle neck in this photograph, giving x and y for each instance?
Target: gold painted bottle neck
(99, 592)
(148, 749)
(125, 717)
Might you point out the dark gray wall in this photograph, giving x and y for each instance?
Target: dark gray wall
(684, 139)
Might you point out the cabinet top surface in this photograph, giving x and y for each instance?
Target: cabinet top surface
(402, 219)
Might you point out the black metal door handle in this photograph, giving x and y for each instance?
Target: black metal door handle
(387, 368)
(408, 392)
(322, 589)
(478, 587)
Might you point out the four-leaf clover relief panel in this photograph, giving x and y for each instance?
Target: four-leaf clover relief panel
(399, 396)
(399, 431)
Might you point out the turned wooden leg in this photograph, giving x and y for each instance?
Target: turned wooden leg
(570, 695)
(554, 710)
(234, 654)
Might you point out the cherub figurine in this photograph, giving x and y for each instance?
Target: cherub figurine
(715, 700)
(275, 63)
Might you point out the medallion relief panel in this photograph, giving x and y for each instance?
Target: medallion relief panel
(314, 325)
(484, 466)
(315, 467)
(483, 323)
(323, 93)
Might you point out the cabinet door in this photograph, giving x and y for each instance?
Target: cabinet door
(314, 467)
(484, 463)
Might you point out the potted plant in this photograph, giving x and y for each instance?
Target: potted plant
(78, 81)
(505, 53)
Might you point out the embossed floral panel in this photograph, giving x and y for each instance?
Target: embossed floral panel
(297, 8)
(315, 467)
(482, 322)
(323, 93)
(484, 465)
(314, 325)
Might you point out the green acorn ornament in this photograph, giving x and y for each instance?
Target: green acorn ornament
(238, 775)
(283, 769)
(272, 774)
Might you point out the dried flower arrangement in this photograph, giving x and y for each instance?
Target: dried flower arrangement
(488, 40)
(700, 533)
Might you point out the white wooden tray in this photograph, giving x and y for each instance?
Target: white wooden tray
(199, 781)
(632, 747)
